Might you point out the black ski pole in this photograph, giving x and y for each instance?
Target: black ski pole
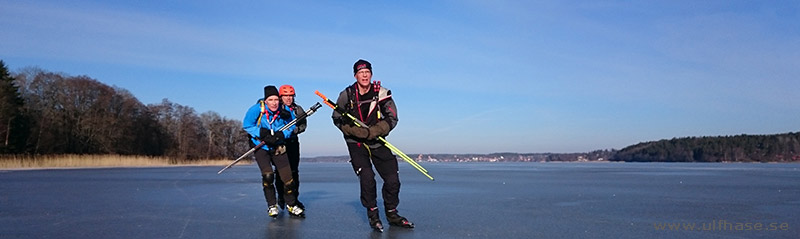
(308, 112)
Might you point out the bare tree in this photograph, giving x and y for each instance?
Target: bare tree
(184, 128)
(190, 133)
(39, 90)
(225, 137)
(212, 123)
(85, 109)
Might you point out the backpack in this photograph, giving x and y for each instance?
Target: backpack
(354, 103)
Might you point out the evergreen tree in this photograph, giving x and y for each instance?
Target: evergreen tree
(12, 123)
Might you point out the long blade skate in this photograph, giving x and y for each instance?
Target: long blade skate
(377, 226)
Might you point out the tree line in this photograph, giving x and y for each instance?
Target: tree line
(44, 112)
(739, 148)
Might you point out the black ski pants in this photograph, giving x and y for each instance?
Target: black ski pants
(266, 159)
(362, 158)
(293, 152)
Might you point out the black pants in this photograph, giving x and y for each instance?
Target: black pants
(293, 151)
(265, 160)
(362, 159)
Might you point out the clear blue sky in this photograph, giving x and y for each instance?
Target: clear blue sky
(467, 76)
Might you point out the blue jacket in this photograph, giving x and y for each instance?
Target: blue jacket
(269, 120)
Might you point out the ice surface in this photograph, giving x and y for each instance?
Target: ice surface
(467, 200)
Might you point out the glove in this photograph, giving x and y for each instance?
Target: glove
(378, 130)
(344, 120)
(269, 138)
(285, 114)
(355, 131)
(263, 132)
(300, 114)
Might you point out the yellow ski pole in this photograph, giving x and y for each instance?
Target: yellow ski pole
(407, 159)
(402, 155)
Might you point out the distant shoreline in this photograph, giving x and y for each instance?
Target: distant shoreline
(13, 162)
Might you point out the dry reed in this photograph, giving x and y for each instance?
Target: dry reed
(78, 161)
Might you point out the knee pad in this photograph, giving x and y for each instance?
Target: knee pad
(267, 179)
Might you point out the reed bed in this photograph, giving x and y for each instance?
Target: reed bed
(81, 161)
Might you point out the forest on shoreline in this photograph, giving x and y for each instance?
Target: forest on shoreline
(739, 148)
(48, 113)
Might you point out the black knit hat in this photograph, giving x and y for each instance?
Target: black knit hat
(361, 64)
(270, 90)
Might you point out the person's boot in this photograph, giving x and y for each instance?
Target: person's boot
(273, 211)
(296, 211)
(397, 220)
(374, 219)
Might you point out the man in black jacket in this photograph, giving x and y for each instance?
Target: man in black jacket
(373, 105)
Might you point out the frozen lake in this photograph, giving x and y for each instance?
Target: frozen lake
(467, 200)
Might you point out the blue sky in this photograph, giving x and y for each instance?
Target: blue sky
(467, 76)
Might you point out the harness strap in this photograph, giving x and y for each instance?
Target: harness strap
(377, 88)
(368, 150)
(264, 112)
(354, 93)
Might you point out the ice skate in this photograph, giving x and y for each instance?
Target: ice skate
(273, 211)
(296, 211)
(374, 219)
(397, 220)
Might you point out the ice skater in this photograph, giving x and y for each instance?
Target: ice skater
(372, 104)
(261, 122)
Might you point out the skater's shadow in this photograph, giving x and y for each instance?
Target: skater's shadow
(395, 232)
(282, 227)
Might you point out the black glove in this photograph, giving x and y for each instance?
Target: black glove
(379, 130)
(285, 114)
(300, 114)
(344, 120)
(272, 139)
(263, 132)
(355, 131)
(269, 138)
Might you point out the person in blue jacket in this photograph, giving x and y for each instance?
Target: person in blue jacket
(262, 122)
